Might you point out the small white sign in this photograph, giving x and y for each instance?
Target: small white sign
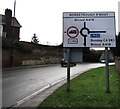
(89, 29)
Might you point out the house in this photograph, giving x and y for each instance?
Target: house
(9, 26)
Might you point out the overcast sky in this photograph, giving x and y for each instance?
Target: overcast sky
(44, 17)
(119, 17)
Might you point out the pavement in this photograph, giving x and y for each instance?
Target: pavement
(25, 67)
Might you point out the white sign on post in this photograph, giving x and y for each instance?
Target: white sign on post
(89, 29)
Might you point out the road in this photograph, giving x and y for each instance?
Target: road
(18, 84)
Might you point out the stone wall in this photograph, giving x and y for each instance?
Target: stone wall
(39, 56)
(42, 61)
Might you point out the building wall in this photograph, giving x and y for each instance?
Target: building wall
(8, 22)
(13, 33)
(16, 32)
(76, 55)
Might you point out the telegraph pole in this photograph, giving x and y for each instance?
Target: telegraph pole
(13, 34)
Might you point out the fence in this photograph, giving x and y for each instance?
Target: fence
(117, 63)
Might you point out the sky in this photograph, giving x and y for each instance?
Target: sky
(119, 17)
(44, 17)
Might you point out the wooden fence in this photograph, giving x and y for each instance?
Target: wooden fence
(117, 63)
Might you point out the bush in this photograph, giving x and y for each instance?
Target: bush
(116, 50)
(23, 47)
(6, 43)
(95, 55)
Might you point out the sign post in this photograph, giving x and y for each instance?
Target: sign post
(89, 29)
(107, 71)
(68, 69)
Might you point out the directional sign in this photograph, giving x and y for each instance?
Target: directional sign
(89, 29)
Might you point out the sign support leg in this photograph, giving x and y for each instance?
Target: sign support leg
(107, 71)
(68, 69)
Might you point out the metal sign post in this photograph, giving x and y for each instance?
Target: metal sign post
(68, 69)
(107, 71)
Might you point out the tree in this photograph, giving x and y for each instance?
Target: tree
(34, 39)
(116, 50)
(118, 45)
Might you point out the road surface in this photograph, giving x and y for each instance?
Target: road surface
(18, 84)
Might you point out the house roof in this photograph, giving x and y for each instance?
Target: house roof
(16, 23)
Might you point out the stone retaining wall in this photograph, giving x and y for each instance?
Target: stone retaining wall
(42, 61)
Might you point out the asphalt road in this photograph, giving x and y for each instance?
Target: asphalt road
(18, 84)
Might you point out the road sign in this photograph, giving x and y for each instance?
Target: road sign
(72, 32)
(89, 29)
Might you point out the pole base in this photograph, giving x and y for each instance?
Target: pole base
(107, 91)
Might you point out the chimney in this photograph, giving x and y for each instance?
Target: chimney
(8, 22)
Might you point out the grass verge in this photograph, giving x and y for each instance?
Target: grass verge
(87, 90)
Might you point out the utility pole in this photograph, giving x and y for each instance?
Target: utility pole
(13, 34)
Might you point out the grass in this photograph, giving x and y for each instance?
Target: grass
(87, 90)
